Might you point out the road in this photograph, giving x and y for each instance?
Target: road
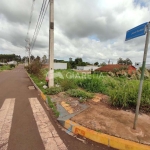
(25, 124)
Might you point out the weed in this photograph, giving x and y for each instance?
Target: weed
(53, 90)
(53, 106)
(80, 93)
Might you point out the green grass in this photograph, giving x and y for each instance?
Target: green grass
(123, 92)
(52, 106)
(84, 96)
(5, 67)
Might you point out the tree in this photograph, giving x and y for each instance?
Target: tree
(128, 61)
(96, 63)
(78, 61)
(38, 58)
(32, 57)
(44, 59)
(120, 61)
(103, 64)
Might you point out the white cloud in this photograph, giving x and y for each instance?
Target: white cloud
(94, 30)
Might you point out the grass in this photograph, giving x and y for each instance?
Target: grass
(52, 106)
(123, 92)
(84, 96)
(5, 67)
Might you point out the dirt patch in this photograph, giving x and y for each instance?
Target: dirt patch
(103, 118)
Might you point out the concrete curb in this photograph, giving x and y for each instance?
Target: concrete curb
(101, 138)
(105, 139)
(41, 93)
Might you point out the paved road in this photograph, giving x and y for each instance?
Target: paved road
(24, 122)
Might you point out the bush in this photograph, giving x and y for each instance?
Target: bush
(1, 64)
(12, 66)
(35, 68)
(53, 90)
(79, 93)
(67, 84)
(92, 85)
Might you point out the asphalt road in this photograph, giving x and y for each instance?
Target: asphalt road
(24, 133)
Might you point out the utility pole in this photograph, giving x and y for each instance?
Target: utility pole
(142, 76)
(28, 49)
(51, 44)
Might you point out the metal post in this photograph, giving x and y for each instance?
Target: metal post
(142, 77)
(51, 45)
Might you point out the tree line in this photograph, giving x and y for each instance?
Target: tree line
(9, 57)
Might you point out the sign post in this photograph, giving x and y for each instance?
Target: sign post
(133, 33)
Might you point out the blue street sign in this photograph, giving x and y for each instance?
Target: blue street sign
(136, 32)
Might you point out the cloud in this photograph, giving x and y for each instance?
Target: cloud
(94, 30)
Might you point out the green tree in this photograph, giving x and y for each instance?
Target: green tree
(103, 64)
(44, 59)
(96, 63)
(120, 61)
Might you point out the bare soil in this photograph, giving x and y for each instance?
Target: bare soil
(101, 117)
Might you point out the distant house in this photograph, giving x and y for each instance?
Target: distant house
(87, 68)
(116, 67)
(12, 62)
(57, 65)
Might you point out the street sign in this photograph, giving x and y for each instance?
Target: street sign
(136, 32)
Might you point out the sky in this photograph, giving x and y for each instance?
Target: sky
(93, 30)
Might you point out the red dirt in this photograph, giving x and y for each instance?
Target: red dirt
(100, 117)
(105, 119)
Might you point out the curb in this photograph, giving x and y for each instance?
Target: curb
(105, 139)
(101, 138)
(41, 93)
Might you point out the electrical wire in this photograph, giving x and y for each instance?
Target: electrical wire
(30, 20)
(39, 22)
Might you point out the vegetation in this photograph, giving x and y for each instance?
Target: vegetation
(80, 93)
(122, 91)
(6, 67)
(127, 61)
(9, 57)
(52, 105)
(53, 90)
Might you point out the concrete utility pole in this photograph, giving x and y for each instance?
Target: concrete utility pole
(142, 76)
(51, 44)
(28, 49)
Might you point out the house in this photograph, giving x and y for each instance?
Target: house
(57, 65)
(87, 68)
(12, 62)
(117, 67)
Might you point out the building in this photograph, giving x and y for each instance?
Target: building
(111, 68)
(12, 62)
(87, 68)
(57, 65)
(60, 66)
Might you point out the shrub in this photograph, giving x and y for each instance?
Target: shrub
(67, 84)
(79, 93)
(1, 64)
(53, 90)
(93, 85)
(35, 68)
(12, 66)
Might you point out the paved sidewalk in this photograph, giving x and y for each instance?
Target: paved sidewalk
(50, 138)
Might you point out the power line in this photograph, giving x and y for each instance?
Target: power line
(39, 22)
(30, 20)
